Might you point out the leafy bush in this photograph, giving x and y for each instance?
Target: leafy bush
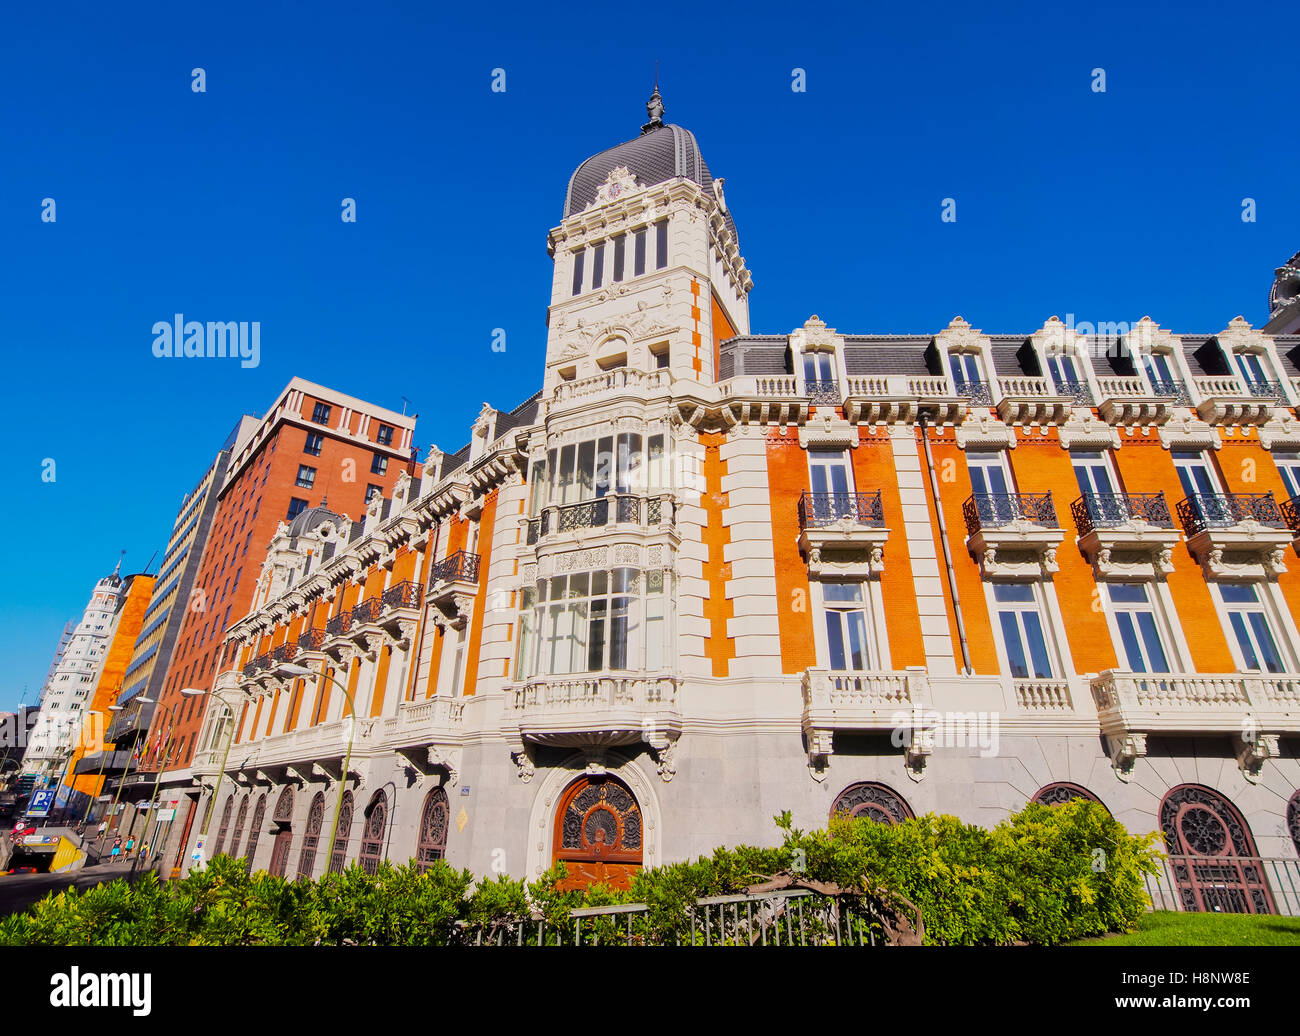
(1045, 875)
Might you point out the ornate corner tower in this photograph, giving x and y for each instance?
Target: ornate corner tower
(648, 271)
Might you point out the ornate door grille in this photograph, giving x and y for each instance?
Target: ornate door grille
(239, 827)
(254, 832)
(1061, 792)
(225, 826)
(1212, 854)
(433, 829)
(372, 833)
(339, 851)
(284, 807)
(311, 837)
(598, 833)
(1293, 820)
(872, 801)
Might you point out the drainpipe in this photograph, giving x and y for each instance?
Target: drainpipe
(947, 551)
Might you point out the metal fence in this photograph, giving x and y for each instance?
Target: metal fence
(1226, 884)
(785, 918)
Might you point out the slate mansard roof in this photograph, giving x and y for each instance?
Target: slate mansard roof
(659, 154)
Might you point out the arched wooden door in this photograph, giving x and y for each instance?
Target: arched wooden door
(283, 818)
(1212, 854)
(598, 834)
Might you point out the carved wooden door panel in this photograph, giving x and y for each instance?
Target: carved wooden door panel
(280, 852)
(598, 834)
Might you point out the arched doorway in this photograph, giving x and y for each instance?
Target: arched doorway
(1212, 854)
(1061, 792)
(339, 850)
(225, 826)
(311, 837)
(255, 831)
(283, 818)
(433, 829)
(598, 833)
(239, 827)
(372, 833)
(872, 801)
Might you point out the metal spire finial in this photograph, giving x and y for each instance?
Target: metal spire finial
(654, 107)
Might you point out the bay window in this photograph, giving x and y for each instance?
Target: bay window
(587, 622)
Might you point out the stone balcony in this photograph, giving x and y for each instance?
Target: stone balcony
(1228, 400)
(1025, 401)
(842, 533)
(594, 711)
(1127, 401)
(1126, 534)
(876, 702)
(453, 585)
(1013, 535)
(319, 750)
(620, 382)
(1236, 535)
(613, 512)
(1253, 709)
(428, 733)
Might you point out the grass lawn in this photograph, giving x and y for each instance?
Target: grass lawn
(1172, 928)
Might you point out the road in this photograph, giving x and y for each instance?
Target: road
(19, 891)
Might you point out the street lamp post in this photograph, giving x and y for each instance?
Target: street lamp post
(289, 669)
(225, 755)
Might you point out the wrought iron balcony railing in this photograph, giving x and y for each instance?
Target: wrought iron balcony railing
(311, 640)
(1077, 391)
(826, 390)
(1106, 510)
(406, 594)
(817, 509)
(615, 509)
(367, 611)
(284, 652)
(1175, 390)
(1203, 511)
(977, 393)
(991, 510)
(1264, 389)
(1291, 513)
(461, 567)
(339, 624)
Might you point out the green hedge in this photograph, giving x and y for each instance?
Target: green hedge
(1038, 878)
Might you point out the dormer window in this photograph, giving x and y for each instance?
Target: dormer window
(1254, 368)
(819, 379)
(1067, 378)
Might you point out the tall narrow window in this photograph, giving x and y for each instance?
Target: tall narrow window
(620, 243)
(1288, 466)
(967, 372)
(638, 253)
(1092, 472)
(1159, 369)
(339, 850)
(1138, 630)
(1251, 628)
(1253, 369)
(598, 266)
(846, 626)
(306, 477)
(578, 258)
(661, 244)
(832, 485)
(1021, 623)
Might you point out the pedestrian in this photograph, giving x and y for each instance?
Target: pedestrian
(130, 844)
(103, 826)
(117, 846)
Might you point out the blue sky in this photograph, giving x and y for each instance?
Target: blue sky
(225, 206)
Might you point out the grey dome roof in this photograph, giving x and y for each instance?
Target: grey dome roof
(310, 518)
(662, 152)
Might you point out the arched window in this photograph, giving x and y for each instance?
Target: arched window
(1061, 792)
(339, 851)
(1212, 854)
(1293, 820)
(311, 837)
(598, 833)
(433, 829)
(283, 818)
(239, 827)
(372, 833)
(254, 832)
(872, 801)
(225, 826)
